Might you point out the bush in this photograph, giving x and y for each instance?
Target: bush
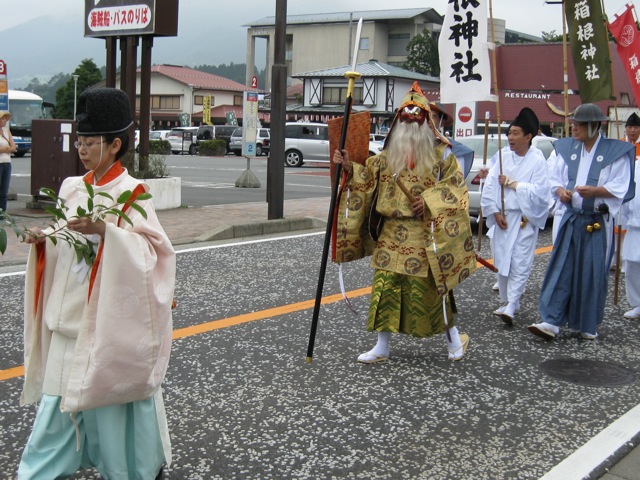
(156, 167)
(212, 148)
(159, 147)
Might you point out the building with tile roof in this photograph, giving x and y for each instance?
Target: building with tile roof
(179, 91)
(380, 90)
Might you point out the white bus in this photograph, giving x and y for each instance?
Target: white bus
(24, 108)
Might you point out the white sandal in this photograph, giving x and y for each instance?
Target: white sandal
(372, 358)
(464, 339)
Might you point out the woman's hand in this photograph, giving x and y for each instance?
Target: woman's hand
(34, 235)
(343, 158)
(86, 226)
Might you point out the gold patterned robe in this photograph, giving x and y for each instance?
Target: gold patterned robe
(406, 244)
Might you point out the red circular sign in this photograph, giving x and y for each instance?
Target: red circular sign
(465, 114)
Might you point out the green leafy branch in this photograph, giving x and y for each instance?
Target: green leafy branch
(83, 246)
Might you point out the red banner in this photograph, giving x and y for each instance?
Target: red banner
(625, 31)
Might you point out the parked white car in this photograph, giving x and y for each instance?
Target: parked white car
(263, 137)
(181, 142)
(159, 134)
(375, 147)
(476, 143)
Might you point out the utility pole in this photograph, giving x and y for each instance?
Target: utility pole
(275, 165)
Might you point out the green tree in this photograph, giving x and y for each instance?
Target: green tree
(551, 36)
(88, 74)
(48, 90)
(422, 54)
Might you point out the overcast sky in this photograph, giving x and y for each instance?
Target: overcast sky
(222, 22)
(529, 16)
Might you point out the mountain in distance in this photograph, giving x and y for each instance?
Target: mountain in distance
(45, 46)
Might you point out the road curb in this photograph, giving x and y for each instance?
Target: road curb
(255, 229)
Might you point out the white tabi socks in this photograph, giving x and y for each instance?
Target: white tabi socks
(380, 352)
(455, 345)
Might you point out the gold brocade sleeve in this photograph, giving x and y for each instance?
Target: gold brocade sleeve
(352, 240)
(446, 211)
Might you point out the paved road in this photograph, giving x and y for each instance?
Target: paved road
(211, 180)
(244, 404)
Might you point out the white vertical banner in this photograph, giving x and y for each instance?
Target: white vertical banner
(465, 70)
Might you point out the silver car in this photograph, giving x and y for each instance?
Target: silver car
(476, 143)
(183, 139)
(263, 137)
(305, 142)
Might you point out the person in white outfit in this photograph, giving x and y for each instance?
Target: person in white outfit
(524, 178)
(630, 252)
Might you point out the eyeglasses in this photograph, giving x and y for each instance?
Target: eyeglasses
(86, 145)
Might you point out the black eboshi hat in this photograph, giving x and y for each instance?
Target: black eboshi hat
(633, 120)
(103, 111)
(527, 121)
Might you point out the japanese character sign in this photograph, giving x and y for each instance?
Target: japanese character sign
(104, 18)
(625, 31)
(589, 49)
(465, 71)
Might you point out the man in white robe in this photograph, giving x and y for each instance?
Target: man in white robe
(524, 179)
(631, 252)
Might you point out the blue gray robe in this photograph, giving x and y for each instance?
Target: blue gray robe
(574, 289)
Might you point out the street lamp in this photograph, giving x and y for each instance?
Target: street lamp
(75, 94)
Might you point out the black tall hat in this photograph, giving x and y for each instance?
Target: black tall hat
(103, 111)
(633, 120)
(527, 121)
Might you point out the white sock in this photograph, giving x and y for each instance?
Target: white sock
(382, 346)
(455, 342)
(551, 327)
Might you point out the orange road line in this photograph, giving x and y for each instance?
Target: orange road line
(262, 314)
(11, 373)
(15, 372)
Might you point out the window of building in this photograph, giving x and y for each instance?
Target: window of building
(198, 99)
(364, 43)
(398, 44)
(165, 102)
(624, 98)
(237, 100)
(334, 95)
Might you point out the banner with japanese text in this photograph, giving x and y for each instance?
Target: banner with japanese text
(465, 69)
(4, 87)
(625, 31)
(589, 49)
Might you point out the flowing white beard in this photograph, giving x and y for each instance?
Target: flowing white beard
(411, 142)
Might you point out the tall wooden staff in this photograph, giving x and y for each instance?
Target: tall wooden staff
(495, 89)
(616, 286)
(351, 76)
(484, 165)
